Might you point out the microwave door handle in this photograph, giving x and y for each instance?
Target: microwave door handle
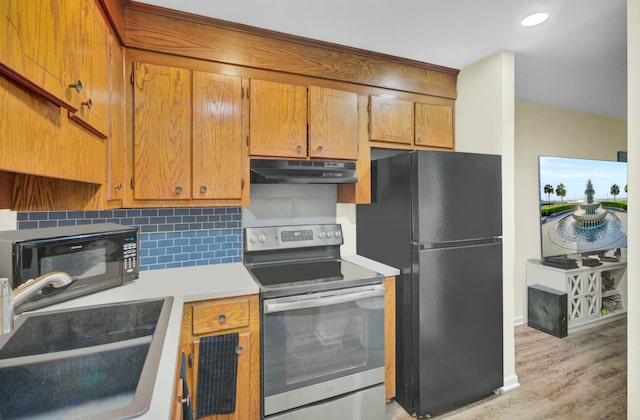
(271, 307)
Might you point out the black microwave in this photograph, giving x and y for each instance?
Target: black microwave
(96, 257)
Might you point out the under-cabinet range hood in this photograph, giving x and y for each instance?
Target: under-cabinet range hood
(283, 171)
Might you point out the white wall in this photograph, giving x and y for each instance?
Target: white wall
(548, 131)
(485, 124)
(633, 144)
(290, 204)
(7, 220)
(346, 216)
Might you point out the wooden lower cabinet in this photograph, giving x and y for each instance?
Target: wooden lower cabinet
(219, 317)
(390, 338)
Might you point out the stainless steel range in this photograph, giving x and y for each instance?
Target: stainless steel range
(322, 325)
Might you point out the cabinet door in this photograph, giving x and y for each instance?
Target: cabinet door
(88, 50)
(217, 136)
(243, 380)
(162, 132)
(592, 290)
(277, 119)
(391, 120)
(434, 125)
(33, 37)
(333, 123)
(583, 291)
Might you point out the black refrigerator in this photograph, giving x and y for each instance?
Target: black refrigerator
(437, 216)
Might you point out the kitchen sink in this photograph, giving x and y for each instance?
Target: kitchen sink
(83, 327)
(98, 361)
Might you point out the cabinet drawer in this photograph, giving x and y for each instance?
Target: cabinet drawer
(217, 316)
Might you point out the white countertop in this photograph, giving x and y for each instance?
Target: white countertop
(376, 266)
(187, 285)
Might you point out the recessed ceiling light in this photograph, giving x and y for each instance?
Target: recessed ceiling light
(535, 19)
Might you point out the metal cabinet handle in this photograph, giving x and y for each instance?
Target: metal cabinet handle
(88, 103)
(203, 189)
(190, 360)
(178, 189)
(222, 318)
(239, 350)
(299, 149)
(418, 140)
(77, 86)
(319, 148)
(118, 187)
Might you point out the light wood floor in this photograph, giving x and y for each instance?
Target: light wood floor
(582, 376)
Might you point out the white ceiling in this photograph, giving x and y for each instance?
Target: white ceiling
(575, 60)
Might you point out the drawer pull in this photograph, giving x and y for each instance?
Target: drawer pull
(203, 189)
(239, 350)
(299, 149)
(190, 360)
(88, 103)
(222, 318)
(178, 189)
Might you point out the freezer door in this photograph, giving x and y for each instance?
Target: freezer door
(459, 349)
(455, 196)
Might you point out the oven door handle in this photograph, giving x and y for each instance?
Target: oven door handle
(314, 302)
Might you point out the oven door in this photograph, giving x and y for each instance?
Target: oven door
(321, 345)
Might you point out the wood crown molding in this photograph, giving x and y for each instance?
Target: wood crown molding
(281, 36)
(167, 31)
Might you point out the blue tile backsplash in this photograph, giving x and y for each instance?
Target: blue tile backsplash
(169, 237)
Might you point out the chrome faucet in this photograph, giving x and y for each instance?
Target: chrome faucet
(12, 299)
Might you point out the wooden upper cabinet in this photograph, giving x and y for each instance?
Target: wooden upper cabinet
(189, 138)
(391, 120)
(33, 37)
(434, 125)
(89, 55)
(333, 123)
(217, 136)
(60, 50)
(277, 119)
(162, 132)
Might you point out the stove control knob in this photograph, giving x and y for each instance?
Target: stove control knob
(338, 234)
(322, 235)
(329, 235)
(252, 238)
(262, 237)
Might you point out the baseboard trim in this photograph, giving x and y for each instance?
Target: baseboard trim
(519, 320)
(510, 382)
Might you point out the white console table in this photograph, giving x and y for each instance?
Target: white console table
(589, 290)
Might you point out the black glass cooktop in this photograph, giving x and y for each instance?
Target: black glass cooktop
(284, 279)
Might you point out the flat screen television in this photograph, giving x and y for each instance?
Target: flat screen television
(583, 206)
